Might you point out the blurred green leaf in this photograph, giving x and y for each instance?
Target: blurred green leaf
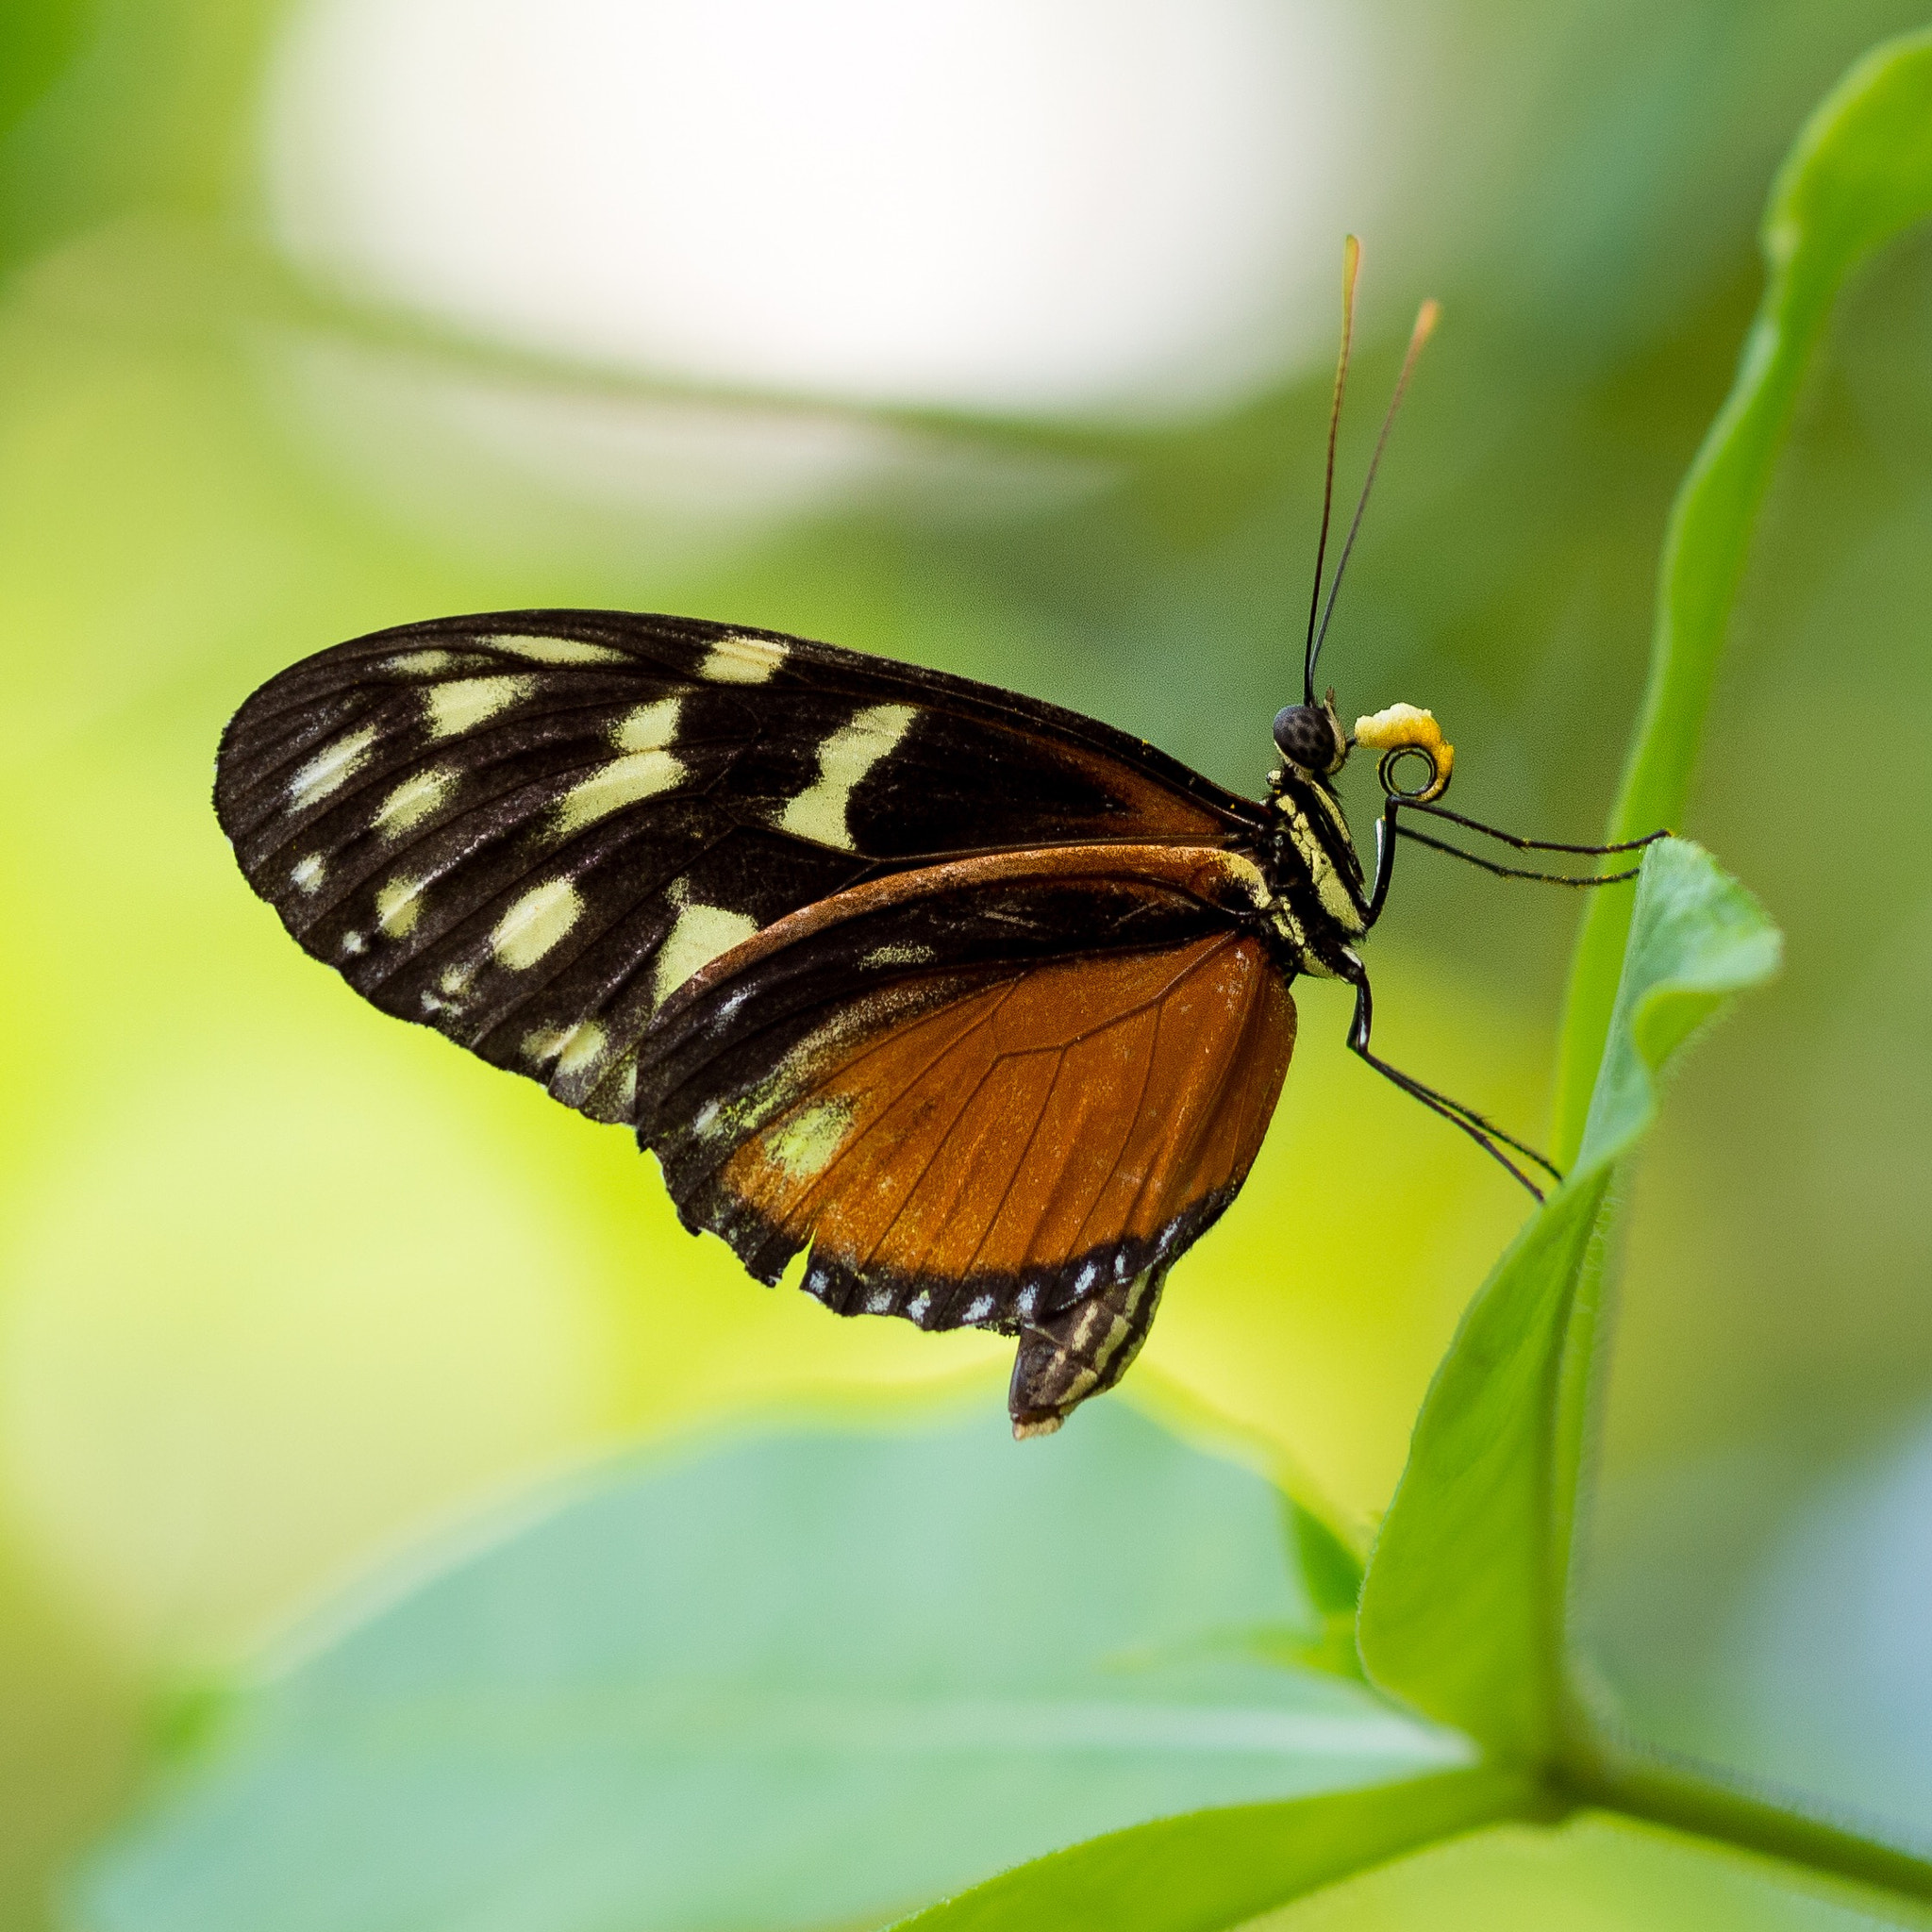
(1463, 1604)
(1331, 1576)
(810, 1679)
(1212, 1869)
(38, 38)
(1859, 173)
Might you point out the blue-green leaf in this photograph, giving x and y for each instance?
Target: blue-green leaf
(812, 1679)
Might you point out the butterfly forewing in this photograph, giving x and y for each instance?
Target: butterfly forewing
(525, 829)
(970, 1113)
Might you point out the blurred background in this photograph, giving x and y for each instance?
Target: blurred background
(994, 335)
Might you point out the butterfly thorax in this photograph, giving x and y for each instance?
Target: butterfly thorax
(1317, 908)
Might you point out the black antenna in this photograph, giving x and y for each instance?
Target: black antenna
(1351, 264)
(1425, 322)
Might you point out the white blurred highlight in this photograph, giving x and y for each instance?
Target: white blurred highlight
(1054, 206)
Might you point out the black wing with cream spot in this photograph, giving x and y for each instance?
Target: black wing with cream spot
(526, 829)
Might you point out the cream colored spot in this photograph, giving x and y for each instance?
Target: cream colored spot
(399, 906)
(898, 955)
(414, 799)
(541, 920)
(307, 874)
(650, 727)
(629, 780)
(424, 663)
(575, 1049)
(457, 980)
(701, 935)
(463, 706)
(557, 650)
(583, 1047)
(329, 768)
(805, 1146)
(737, 660)
(819, 812)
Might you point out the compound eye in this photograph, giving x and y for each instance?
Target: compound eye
(1304, 737)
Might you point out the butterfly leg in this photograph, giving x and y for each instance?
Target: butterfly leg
(1081, 1352)
(1485, 1134)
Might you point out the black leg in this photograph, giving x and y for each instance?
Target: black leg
(1515, 872)
(1385, 861)
(1489, 1137)
(1455, 818)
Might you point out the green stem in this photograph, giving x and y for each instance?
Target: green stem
(1690, 1801)
(1859, 173)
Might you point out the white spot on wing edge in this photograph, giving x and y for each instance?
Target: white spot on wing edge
(583, 1047)
(629, 780)
(330, 767)
(448, 708)
(541, 650)
(573, 1050)
(542, 1044)
(819, 812)
(701, 934)
(979, 1308)
(649, 727)
(537, 922)
(414, 799)
(307, 873)
(738, 659)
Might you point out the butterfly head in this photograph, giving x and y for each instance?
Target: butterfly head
(1402, 734)
(1311, 739)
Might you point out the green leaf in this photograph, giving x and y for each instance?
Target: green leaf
(1213, 1869)
(1461, 1607)
(1859, 173)
(810, 1680)
(1593, 1873)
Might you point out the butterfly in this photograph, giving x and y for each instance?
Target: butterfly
(983, 1004)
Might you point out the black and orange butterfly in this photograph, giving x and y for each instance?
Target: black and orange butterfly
(983, 1002)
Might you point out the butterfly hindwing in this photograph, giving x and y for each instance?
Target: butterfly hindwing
(1002, 1093)
(527, 829)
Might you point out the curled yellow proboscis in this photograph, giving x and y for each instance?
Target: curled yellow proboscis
(1406, 728)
